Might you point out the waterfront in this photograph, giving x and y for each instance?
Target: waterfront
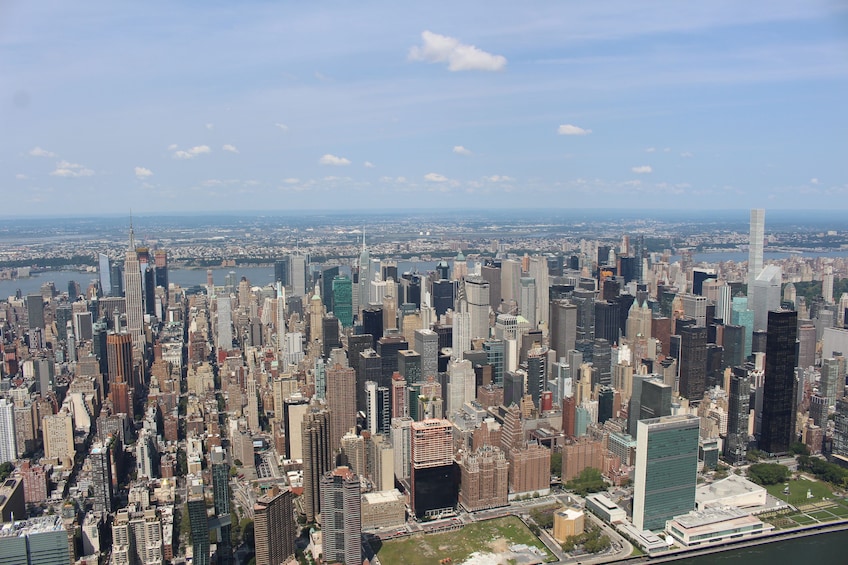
(823, 548)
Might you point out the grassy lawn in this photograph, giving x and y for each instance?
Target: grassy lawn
(491, 536)
(798, 491)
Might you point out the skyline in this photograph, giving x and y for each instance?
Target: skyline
(285, 107)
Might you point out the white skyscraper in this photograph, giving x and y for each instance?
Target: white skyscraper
(364, 276)
(461, 381)
(298, 273)
(510, 275)
(764, 295)
(827, 284)
(755, 243)
(527, 300)
(8, 446)
(477, 295)
(539, 272)
(225, 324)
(281, 322)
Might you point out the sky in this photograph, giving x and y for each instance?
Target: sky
(156, 107)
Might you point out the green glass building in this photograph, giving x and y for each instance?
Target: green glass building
(343, 300)
(666, 469)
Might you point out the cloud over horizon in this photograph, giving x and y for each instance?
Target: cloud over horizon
(438, 48)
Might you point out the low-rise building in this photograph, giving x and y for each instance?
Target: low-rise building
(715, 524)
(385, 509)
(605, 509)
(568, 522)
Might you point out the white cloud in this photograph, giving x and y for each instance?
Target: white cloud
(172, 147)
(498, 178)
(569, 129)
(333, 160)
(650, 150)
(459, 56)
(39, 152)
(230, 148)
(283, 127)
(71, 170)
(642, 169)
(435, 177)
(687, 154)
(210, 126)
(142, 172)
(368, 165)
(21, 176)
(814, 180)
(291, 180)
(191, 153)
(460, 150)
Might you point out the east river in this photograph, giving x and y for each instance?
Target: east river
(823, 549)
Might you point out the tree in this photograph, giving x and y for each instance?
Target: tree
(6, 470)
(556, 464)
(768, 473)
(798, 448)
(589, 480)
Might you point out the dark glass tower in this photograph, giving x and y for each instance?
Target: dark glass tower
(693, 362)
(736, 442)
(778, 427)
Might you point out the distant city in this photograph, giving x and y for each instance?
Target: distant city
(480, 387)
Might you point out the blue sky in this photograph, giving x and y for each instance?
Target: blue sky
(221, 106)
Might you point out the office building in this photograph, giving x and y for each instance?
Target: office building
(37, 541)
(8, 435)
(378, 408)
(101, 477)
(134, 297)
(12, 500)
(666, 470)
(341, 400)
(433, 480)
(527, 300)
(756, 240)
(342, 291)
(273, 522)
(341, 516)
(563, 326)
(779, 389)
(477, 295)
(427, 344)
(693, 362)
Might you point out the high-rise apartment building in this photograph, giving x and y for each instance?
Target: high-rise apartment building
(198, 520)
(341, 509)
(477, 294)
(484, 478)
(341, 400)
(274, 527)
(666, 470)
(738, 410)
(317, 457)
(8, 435)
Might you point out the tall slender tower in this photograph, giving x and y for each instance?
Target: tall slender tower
(778, 423)
(133, 294)
(364, 276)
(755, 243)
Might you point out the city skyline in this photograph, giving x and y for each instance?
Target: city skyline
(287, 107)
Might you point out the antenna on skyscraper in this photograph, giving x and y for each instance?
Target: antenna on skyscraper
(132, 235)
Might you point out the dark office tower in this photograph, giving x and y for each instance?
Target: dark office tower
(537, 370)
(611, 290)
(356, 344)
(699, 276)
(35, 311)
(443, 270)
(715, 365)
(443, 296)
(693, 362)
(563, 326)
(513, 387)
(160, 260)
(655, 399)
(372, 323)
(759, 340)
(603, 254)
(378, 408)
(198, 521)
(101, 477)
(585, 302)
(119, 356)
(274, 527)
(328, 274)
(412, 289)
(281, 271)
(602, 360)
(332, 338)
(607, 321)
(116, 277)
(387, 348)
(317, 457)
(341, 400)
(495, 355)
(64, 314)
(409, 365)
(606, 399)
(343, 300)
(628, 269)
(492, 274)
(738, 402)
(778, 422)
(221, 499)
(73, 291)
(734, 345)
(370, 369)
(341, 523)
(818, 410)
(150, 291)
(634, 406)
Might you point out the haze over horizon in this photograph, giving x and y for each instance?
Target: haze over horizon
(265, 106)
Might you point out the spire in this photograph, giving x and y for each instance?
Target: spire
(132, 234)
(363, 239)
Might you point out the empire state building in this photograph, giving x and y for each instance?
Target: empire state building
(133, 295)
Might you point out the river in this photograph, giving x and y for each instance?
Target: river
(823, 548)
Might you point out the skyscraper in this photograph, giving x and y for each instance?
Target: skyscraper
(563, 326)
(224, 339)
(343, 300)
(527, 300)
(221, 499)
(756, 239)
(274, 527)
(341, 399)
(477, 294)
(778, 421)
(8, 438)
(693, 362)
(317, 457)
(341, 505)
(101, 477)
(666, 470)
(134, 297)
(365, 276)
(427, 344)
(198, 520)
(738, 409)
(433, 479)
